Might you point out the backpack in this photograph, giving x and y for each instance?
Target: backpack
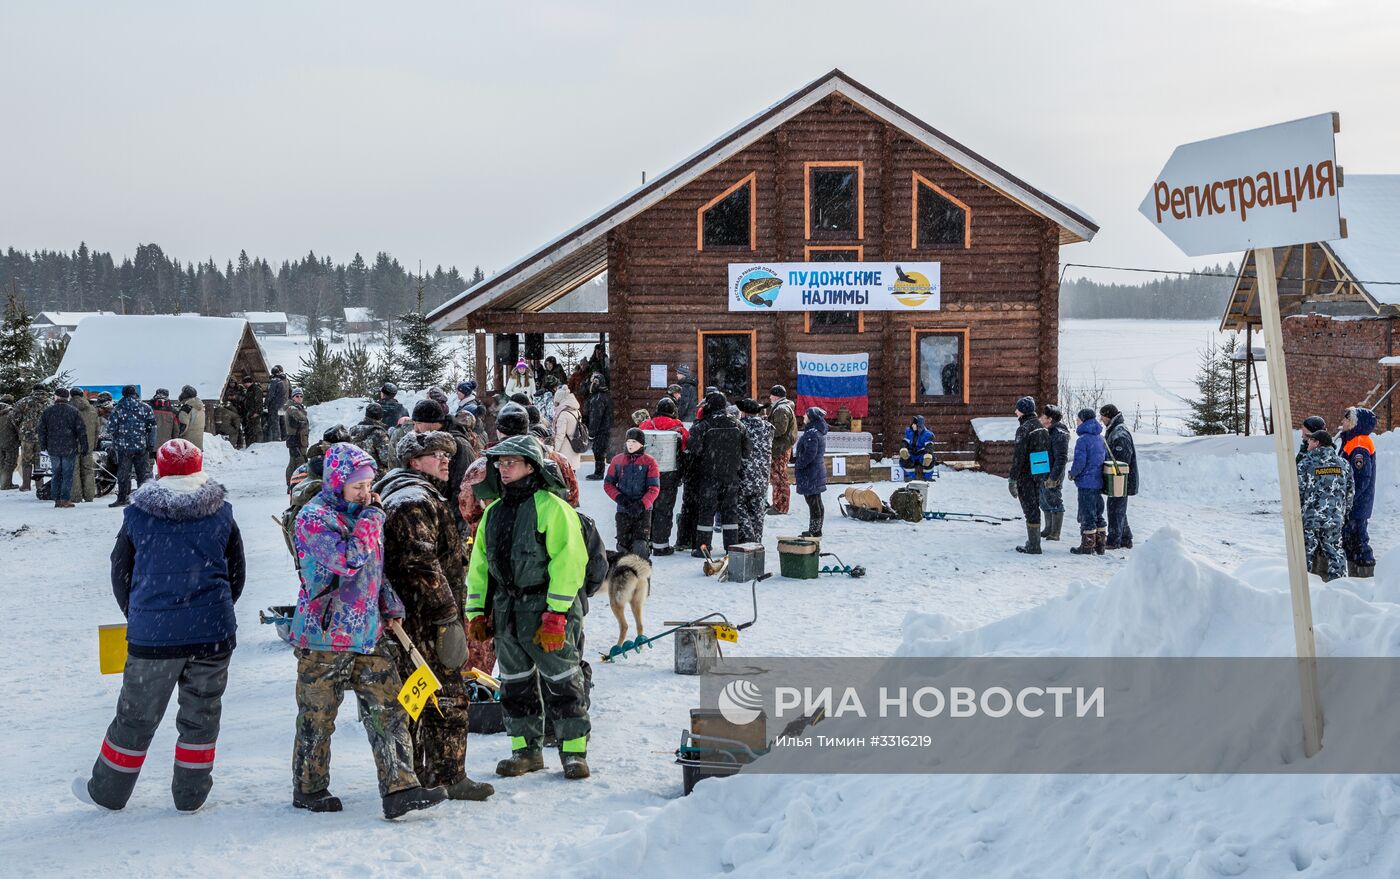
(579, 440)
(301, 493)
(907, 504)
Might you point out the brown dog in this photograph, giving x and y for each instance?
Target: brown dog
(628, 583)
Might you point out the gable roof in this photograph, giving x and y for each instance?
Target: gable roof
(161, 351)
(359, 314)
(1368, 258)
(580, 254)
(64, 318)
(263, 317)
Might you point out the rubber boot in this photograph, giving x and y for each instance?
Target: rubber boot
(575, 765)
(466, 789)
(521, 762)
(1365, 570)
(321, 801)
(25, 474)
(400, 803)
(1056, 520)
(1086, 543)
(1100, 541)
(1032, 546)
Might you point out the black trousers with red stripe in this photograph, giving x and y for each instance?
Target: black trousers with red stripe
(147, 685)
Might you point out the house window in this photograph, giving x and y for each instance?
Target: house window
(938, 366)
(728, 221)
(835, 200)
(940, 220)
(834, 321)
(729, 361)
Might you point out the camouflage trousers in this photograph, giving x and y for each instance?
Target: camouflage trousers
(294, 460)
(9, 459)
(752, 509)
(440, 734)
(323, 677)
(534, 681)
(1329, 540)
(778, 476)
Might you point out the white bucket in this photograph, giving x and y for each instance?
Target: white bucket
(921, 487)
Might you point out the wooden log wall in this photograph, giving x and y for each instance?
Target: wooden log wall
(1003, 288)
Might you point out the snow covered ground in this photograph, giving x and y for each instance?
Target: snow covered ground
(936, 588)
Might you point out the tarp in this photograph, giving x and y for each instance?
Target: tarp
(159, 351)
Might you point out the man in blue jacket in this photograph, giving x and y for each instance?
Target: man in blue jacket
(1087, 474)
(1360, 451)
(916, 454)
(132, 428)
(177, 569)
(64, 436)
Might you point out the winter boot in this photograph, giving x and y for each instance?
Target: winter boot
(1086, 544)
(521, 762)
(665, 550)
(119, 502)
(1365, 570)
(466, 789)
(400, 803)
(321, 801)
(575, 765)
(1052, 526)
(1032, 546)
(26, 473)
(1100, 541)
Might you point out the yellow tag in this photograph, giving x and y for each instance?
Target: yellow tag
(417, 690)
(726, 633)
(111, 648)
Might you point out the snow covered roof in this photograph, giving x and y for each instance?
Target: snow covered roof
(65, 318)
(1242, 354)
(359, 315)
(580, 254)
(1390, 361)
(263, 317)
(162, 351)
(1371, 250)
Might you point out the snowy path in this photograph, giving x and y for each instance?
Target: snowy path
(56, 580)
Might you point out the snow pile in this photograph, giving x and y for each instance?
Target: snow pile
(995, 430)
(218, 452)
(1163, 603)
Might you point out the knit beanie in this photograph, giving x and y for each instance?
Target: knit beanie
(1026, 405)
(1086, 414)
(427, 411)
(1314, 423)
(1109, 411)
(178, 457)
(635, 433)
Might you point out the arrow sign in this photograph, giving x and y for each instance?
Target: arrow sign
(1267, 187)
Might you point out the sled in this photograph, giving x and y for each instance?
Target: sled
(865, 514)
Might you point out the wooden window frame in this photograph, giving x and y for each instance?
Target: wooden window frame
(751, 181)
(807, 257)
(914, 332)
(700, 357)
(807, 167)
(914, 214)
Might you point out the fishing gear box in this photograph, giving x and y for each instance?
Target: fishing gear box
(798, 557)
(715, 748)
(746, 562)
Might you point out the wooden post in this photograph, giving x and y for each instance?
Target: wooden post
(1248, 367)
(1292, 507)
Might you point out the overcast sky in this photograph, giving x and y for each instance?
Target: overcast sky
(470, 133)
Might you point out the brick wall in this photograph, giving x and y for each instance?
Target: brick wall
(1332, 365)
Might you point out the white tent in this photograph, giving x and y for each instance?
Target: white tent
(162, 351)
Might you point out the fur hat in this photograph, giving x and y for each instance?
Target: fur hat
(415, 445)
(178, 457)
(162, 394)
(1314, 423)
(427, 411)
(749, 407)
(777, 391)
(1026, 405)
(666, 406)
(336, 433)
(188, 392)
(640, 415)
(512, 420)
(127, 390)
(61, 393)
(374, 411)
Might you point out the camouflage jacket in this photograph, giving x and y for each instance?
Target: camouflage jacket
(423, 556)
(753, 478)
(371, 436)
(1326, 486)
(26, 413)
(9, 428)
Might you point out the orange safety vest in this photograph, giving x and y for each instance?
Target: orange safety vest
(1363, 442)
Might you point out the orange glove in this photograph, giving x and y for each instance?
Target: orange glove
(480, 629)
(550, 634)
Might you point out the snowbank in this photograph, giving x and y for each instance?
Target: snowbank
(995, 430)
(1165, 602)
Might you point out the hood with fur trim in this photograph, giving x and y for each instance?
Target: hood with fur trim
(179, 501)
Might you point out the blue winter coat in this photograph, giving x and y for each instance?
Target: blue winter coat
(177, 569)
(808, 462)
(61, 431)
(1360, 451)
(1089, 455)
(918, 440)
(131, 425)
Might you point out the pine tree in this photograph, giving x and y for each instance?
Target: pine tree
(359, 370)
(321, 377)
(1211, 412)
(386, 365)
(16, 347)
(424, 356)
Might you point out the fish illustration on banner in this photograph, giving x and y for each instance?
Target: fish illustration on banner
(830, 381)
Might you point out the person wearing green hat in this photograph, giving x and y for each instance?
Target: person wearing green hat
(523, 583)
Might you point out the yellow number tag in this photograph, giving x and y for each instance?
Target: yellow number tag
(417, 690)
(111, 648)
(726, 633)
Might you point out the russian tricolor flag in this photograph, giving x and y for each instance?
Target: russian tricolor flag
(831, 381)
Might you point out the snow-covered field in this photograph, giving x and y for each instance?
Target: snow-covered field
(1208, 541)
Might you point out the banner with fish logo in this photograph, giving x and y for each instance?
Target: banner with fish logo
(835, 286)
(832, 381)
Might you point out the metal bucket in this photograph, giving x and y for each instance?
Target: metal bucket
(665, 447)
(696, 649)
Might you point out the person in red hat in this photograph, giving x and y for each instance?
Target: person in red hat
(177, 570)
